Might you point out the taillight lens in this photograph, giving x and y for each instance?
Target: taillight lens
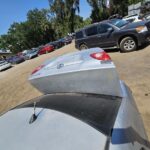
(100, 56)
(37, 69)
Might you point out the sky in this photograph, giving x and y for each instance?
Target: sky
(16, 10)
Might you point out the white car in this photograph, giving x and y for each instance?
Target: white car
(132, 18)
(4, 65)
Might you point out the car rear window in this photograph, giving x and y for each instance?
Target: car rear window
(79, 35)
(98, 111)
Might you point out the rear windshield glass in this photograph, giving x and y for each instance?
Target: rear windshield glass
(98, 111)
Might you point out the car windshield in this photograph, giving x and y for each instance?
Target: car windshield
(119, 22)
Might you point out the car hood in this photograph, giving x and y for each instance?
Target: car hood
(52, 130)
(134, 25)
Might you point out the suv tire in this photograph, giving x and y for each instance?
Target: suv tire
(83, 47)
(128, 44)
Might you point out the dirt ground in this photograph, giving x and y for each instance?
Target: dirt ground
(133, 68)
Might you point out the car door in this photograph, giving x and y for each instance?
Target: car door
(91, 36)
(105, 36)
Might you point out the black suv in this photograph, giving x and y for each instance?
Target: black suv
(115, 33)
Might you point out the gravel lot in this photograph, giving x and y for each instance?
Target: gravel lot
(133, 68)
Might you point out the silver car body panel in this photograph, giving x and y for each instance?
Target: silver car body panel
(31, 55)
(52, 130)
(77, 72)
(128, 132)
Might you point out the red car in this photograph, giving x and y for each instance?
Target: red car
(46, 49)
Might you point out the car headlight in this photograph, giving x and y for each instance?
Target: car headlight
(141, 29)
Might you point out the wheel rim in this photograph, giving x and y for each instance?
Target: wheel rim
(129, 45)
(83, 47)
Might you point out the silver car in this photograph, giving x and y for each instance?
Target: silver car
(4, 65)
(84, 107)
(31, 54)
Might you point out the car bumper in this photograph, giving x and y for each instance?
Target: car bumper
(5, 66)
(143, 38)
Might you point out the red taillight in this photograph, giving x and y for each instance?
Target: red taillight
(37, 69)
(100, 56)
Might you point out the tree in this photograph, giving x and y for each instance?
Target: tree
(64, 11)
(120, 7)
(99, 10)
(35, 31)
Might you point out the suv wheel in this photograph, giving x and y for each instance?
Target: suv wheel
(128, 44)
(83, 47)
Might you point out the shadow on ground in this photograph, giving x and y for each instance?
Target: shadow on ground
(143, 46)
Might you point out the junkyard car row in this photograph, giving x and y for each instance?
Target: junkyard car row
(7, 62)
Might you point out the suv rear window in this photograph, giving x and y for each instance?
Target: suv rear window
(91, 31)
(79, 35)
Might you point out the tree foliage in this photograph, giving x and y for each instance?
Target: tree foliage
(35, 31)
(64, 12)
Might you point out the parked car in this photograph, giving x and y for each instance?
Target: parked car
(84, 107)
(56, 44)
(15, 59)
(4, 65)
(32, 54)
(25, 52)
(115, 33)
(133, 18)
(62, 41)
(68, 40)
(46, 49)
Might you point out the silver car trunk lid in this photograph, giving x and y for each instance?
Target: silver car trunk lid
(79, 73)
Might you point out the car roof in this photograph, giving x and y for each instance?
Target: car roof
(96, 23)
(88, 26)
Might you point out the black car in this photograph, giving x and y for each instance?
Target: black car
(56, 44)
(66, 40)
(15, 59)
(115, 33)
